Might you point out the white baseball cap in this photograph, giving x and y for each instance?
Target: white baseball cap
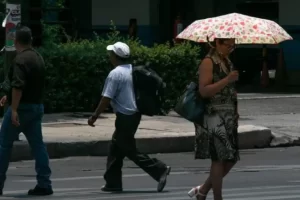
(120, 49)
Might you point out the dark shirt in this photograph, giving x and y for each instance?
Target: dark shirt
(28, 74)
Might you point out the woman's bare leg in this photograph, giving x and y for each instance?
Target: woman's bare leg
(216, 176)
(205, 188)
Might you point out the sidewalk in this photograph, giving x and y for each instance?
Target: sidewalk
(69, 135)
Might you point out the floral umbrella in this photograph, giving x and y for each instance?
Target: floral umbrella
(245, 29)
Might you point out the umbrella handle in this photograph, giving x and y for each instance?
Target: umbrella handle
(207, 38)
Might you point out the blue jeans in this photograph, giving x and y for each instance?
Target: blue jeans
(30, 118)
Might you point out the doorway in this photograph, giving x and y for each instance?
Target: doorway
(168, 12)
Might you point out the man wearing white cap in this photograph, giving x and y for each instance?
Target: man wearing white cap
(118, 91)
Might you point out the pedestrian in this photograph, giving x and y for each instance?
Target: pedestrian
(5, 87)
(118, 91)
(217, 135)
(25, 111)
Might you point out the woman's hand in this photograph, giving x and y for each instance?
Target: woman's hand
(206, 87)
(233, 76)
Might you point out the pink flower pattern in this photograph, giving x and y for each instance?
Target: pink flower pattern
(245, 29)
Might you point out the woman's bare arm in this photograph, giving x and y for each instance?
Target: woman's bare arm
(206, 88)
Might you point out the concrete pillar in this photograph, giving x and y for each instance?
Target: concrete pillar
(154, 20)
(280, 76)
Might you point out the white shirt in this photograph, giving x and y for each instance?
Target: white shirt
(119, 88)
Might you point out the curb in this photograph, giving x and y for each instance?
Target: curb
(269, 97)
(251, 137)
(248, 138)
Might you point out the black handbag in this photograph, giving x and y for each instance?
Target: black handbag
(191, 105)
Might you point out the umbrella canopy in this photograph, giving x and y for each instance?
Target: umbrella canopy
(245, 29)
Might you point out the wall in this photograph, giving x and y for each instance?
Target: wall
(204, 9)
(121, 11)
(289, 16)
(289, 12)
(154, 17)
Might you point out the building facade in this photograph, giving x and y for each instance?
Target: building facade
(155, 21)
(155, 18)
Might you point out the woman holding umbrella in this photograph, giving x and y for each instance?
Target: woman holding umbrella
(217, 134)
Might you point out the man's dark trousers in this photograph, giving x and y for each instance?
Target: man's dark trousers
(30, 118)
(123, 145)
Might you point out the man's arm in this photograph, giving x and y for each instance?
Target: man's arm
(103, 104)
(5, 86)
(16, 97)
(18, 82)
(109, 92)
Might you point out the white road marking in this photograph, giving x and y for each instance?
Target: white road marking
(282, 192)
(179, 195)
(280, 197)
(96, 177)
(237, 169)
(254, 195)
(55, 190)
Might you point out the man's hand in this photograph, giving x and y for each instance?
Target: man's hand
(3, 101)
(15, 118)
(92, 120)
(105, 101)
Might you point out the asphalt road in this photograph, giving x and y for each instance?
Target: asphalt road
(277, 106)
(262, 174)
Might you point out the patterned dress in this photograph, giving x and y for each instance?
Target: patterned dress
(217, 135)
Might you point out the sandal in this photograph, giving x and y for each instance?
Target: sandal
(196, 192)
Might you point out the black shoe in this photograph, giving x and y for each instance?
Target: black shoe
(38, 191)
(163, 180)
(111, 189)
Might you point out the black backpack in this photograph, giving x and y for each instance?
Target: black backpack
(149, 89)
